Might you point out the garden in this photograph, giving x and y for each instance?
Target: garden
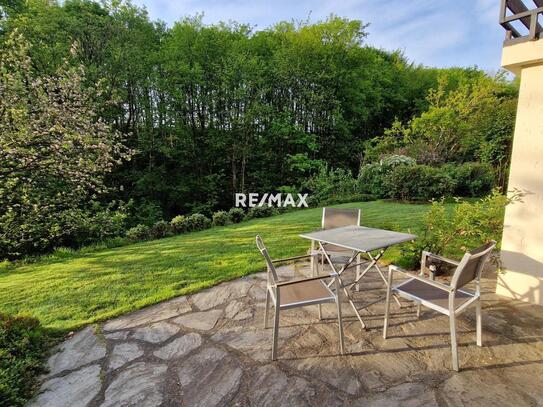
(123, 142)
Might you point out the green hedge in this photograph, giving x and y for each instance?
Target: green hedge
(471, 179)
(412, 182)
(417, 182)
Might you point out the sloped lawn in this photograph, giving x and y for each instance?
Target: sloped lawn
(67, 293)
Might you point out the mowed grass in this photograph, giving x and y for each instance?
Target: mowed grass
(82, 288)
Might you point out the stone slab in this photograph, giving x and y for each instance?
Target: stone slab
(138, 385)
(179, 347)
(124, 353)
(402, 395)
(202, 321)
(209, 378)
(271, 387)
(481, 389)
(155, 313)
(75, 389)
(155, 333)
(83, 348)
(219, 295)
(254, 343)
(238, 311)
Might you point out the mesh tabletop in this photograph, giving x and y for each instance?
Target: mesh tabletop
(359, 238)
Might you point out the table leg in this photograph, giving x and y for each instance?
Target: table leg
(373, 264)
(325, 255)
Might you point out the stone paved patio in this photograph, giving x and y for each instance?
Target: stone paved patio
(210, 349)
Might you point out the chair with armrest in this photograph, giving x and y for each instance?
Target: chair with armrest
(297, 293)
(451, 299)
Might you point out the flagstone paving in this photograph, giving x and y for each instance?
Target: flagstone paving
(210, 349)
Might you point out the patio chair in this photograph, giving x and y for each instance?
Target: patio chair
(336, 218)
(297, 293)
(451, 299)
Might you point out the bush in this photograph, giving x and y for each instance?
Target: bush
(139, 232)
(418, 182)
(23, 343)
(236, 215)
(194, 222)
(197, 221)
(260, 212)
(471, 179)
(100, 224)
(330, 183)
(38, 231)
(399, 177)
(470, 225)
(179, 224)
(371, 179)
(160, 229)
(221, 218)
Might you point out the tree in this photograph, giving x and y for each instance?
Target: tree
(469, 117)
(223, 108)
(54, 152)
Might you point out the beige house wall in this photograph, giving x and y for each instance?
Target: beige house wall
(522, 243)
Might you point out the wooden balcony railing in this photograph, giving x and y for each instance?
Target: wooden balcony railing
(517, 19)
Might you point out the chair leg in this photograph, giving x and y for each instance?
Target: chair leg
(387, 310)
(267, 310)
(275, 333)
(387, 302)
(322, 265)
(418, 309)
(454, 345)
(358, 271)
(479, 323)
(340, 318)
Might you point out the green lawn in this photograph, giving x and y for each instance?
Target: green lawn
(66, 293)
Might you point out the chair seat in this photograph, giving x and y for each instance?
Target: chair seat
(337, 257)
(432, 295)
(305, 293)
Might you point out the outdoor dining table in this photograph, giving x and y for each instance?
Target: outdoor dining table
(361, 240)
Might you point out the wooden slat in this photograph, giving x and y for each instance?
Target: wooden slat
(518, 6)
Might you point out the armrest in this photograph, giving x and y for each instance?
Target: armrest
(440, 258)
(303, 280)
(291, 258)
(420, 278)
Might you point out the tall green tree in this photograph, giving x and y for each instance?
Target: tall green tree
(215, 109)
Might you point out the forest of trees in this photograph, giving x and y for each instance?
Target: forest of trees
(198, 112)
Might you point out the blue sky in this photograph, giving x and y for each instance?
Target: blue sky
(432, 32)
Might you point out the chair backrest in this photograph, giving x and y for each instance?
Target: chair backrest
(272, 273)
(471, 265)
(338, 217)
